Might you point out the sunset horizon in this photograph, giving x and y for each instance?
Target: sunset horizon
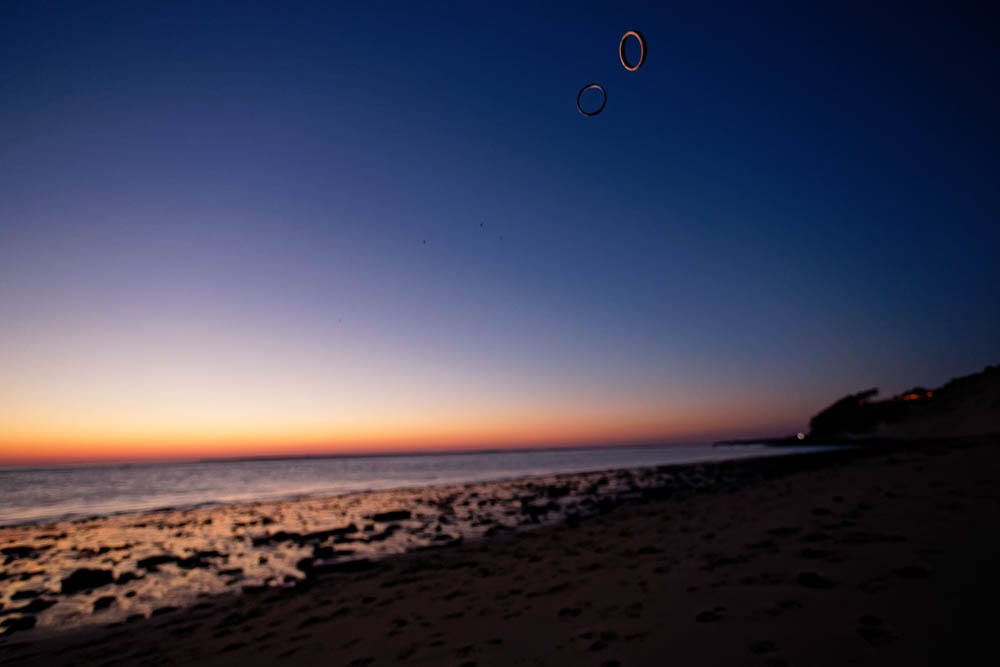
(138, 449)
(243, 427)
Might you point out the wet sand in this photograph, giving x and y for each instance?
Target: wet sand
(119, 568)
(888, 558)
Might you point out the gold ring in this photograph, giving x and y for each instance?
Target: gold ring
(642, 50)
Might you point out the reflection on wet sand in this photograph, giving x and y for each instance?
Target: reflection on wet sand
(117, 568)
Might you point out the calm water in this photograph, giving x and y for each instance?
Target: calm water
(44, 494)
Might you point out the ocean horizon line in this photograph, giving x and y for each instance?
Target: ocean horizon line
(125, 463)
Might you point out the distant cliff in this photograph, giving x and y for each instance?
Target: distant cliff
(965, 406)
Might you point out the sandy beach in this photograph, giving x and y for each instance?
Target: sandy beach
(886, 558)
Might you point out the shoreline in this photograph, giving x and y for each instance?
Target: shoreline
(151, 560)
(279, 497)
(686, 539)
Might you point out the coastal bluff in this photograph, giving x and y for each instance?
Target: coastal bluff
(963, 407)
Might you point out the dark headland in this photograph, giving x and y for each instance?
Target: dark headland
(967, 406)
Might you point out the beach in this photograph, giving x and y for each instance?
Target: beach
(851, 557)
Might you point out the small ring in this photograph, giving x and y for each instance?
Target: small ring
(591, 86)
(642, 50)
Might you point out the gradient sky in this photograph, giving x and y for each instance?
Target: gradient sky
(213, 220)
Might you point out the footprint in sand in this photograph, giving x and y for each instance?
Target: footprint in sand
(871, 629)
(814, 580)
(710, 616)
(874, 585)
(762, 647)
(783, 606)
(912, 572)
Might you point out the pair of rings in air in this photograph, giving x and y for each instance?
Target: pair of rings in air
(630, 66)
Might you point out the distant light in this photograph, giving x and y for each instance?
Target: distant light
(800, 436)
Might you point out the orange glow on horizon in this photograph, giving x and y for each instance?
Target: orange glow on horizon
(131, 393)
(495, 433)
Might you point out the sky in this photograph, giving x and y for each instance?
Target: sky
(266, 228)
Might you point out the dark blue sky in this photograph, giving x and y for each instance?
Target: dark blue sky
(782, 205)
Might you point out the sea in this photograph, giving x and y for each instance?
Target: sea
(46, 494)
